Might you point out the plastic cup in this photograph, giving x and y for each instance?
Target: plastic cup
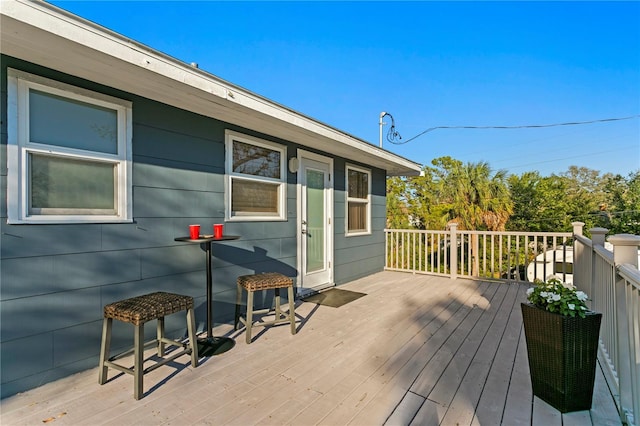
(194, 232)
(217, 230)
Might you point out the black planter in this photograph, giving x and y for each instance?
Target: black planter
(562, 356)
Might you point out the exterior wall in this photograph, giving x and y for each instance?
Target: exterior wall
(359, 256)
(55, 279)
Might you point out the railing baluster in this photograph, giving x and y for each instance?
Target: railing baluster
(480, 254)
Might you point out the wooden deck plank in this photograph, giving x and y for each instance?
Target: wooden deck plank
(519, 404)
(452, 378)
(386, 362)
(544, 414)
(451, 338)
(406, 410)
(464, 402)
(604, 411)
(431, 413)
(459, 341)
(490, 407)
(407, 362)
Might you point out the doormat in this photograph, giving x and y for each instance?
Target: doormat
(334, 297)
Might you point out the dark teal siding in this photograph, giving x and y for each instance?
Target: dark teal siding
(362, 255)
(55, 279)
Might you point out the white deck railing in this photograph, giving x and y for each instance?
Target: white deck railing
(611, 279)
(480, 254)
(613, 282)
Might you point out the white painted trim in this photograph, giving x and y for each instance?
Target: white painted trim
(20, 146)
(358, 200)
(231, 136)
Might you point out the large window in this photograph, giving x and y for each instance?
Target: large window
(256, 179)
(358, 201)
(69, 153)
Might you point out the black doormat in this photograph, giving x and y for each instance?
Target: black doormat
(334, 297)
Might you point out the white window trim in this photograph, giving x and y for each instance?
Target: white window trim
(357, 200)
(231, 136)
(19, 147)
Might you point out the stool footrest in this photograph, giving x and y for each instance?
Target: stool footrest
(265, 323)
(148, 344)
(163, 361)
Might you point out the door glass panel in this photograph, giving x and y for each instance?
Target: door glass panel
(315, 220)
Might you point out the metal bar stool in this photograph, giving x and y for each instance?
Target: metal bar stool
(265, 281)
(137, 311)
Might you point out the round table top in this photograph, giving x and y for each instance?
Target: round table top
(207, 238)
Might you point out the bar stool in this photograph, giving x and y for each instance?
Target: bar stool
(138, 311)
(265, 281)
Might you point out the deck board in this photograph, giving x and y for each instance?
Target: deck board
(418, 349)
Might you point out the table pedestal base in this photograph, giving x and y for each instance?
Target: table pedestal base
(209, 346)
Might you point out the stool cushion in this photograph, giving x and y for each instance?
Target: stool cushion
(141, 309)
(264, 281)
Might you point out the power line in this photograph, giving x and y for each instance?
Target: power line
(530, 126)
(553, 160)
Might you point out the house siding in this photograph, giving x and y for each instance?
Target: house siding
(55, 279)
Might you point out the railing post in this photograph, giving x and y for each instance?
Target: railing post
(453, 250)
(598, 236)
(625, 250)
(577, 228)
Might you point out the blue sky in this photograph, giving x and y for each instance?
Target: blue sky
(428, 64)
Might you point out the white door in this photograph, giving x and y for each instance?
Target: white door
(315, 232)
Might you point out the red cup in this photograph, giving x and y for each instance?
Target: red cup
(217, 230)
(194, 232)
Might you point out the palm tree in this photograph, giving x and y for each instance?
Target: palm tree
(478, 200)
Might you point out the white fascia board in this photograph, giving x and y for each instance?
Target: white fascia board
(63, 24)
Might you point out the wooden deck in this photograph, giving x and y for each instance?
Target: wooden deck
(417, 350)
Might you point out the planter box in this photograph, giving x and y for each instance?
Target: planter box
(562, 356)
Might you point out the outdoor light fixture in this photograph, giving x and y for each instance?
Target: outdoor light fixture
(293, 164)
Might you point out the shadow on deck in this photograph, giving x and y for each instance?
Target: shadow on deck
(416, 349)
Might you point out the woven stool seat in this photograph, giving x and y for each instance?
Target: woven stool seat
(259, 282)
(141, 309)
(264, 281)
(137, 311)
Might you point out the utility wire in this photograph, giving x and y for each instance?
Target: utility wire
(532, 126)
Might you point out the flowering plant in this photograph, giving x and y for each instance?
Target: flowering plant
(556, 296)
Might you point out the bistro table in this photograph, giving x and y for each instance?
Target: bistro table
(210, 345)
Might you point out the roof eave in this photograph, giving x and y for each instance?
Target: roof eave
(43, 34)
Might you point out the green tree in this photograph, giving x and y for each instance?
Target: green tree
(472, 196)
(540, 203)
(477, 198)
(623, 210)
(398, 214)
(586, 196)
(526, 202)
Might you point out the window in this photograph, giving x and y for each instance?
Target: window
(358, 201)
(69, 152)
(256, 179)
